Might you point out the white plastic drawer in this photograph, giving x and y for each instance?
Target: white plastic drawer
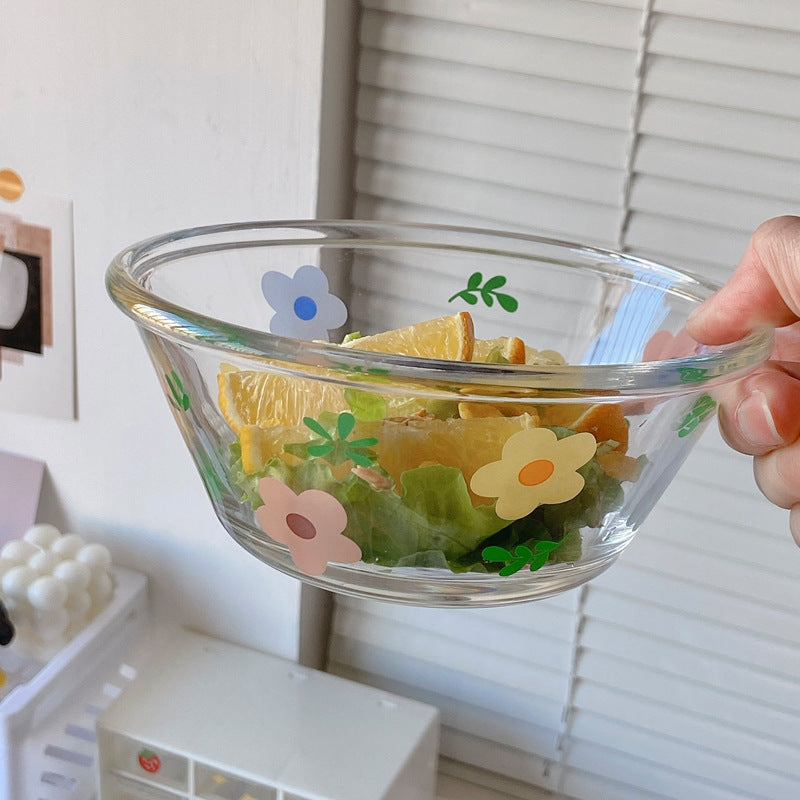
(123, 788)
(215, 784)
(150, 763)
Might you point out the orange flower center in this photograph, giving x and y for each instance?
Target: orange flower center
(301, 526)
(536, 472)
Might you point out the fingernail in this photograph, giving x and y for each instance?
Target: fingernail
(755, 421)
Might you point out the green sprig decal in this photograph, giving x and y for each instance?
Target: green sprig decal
(488, 292)
(362, 374)
(209, 476)
(692, 374)
(179, 397)
(335, 447)
(521, 557)
(703, 407)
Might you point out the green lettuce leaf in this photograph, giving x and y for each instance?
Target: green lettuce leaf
(434, 514)
(432, 521)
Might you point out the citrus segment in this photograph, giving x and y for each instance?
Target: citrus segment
(605, 421)
(471, 410)
(250, 397)
(511, 348)
(562, 415)
(451, 338)
(259, 444)
(464, 443)
(402, 445)
(544, 358)
(620, 466)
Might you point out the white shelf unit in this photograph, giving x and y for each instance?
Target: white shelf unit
(217, 721)
(47, 722)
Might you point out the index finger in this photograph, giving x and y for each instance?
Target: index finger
(764, 289)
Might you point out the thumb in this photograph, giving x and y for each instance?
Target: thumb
(763, 290)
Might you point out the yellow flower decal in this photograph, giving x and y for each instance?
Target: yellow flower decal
(536, 467)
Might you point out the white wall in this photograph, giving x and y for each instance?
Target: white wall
(152, 115)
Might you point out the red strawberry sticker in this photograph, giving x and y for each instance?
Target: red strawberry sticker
(149, 761)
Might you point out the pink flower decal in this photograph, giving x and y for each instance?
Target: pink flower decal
(310, 524)
(663, 346)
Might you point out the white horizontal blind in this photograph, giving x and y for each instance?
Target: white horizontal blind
(502, 114)
(719, 146)
(687, 673)
(508, 115)
(675, 675)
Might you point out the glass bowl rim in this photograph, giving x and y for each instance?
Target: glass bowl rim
(722, 363)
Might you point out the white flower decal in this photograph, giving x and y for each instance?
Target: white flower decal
(304, 307)
(536, 467)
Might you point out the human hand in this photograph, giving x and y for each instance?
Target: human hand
(761, 417)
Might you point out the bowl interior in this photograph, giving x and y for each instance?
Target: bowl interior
(593, 307)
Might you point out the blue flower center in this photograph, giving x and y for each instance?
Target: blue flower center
(305, 307)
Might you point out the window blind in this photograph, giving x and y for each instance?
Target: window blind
(667, 128)
(686, 675)
(495, 114)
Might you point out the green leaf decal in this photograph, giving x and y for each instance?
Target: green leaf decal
(507, 302)
(692, 374)
(495, 553)
(545, 547)
(333, 445)
(368, 441)
(494, 283)
(212, 482)
(488, 292)
(317, 428)
(179, 397)
(360, 459)
(521, 557)
(345, 424)
(538, 561)
(474, 281)
(703, 407)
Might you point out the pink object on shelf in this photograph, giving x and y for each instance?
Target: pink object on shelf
(20, 485)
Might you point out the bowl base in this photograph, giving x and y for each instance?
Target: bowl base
(419, 586)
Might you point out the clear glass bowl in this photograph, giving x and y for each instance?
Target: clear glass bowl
(416, 477)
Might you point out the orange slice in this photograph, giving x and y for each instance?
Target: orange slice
(451, 338)
(250, 397)
(549, 358)
(604, 421)
(511, 348)
(464, 443)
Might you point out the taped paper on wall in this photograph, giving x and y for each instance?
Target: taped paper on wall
(37, 350)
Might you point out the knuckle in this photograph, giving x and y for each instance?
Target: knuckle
(776, 479)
